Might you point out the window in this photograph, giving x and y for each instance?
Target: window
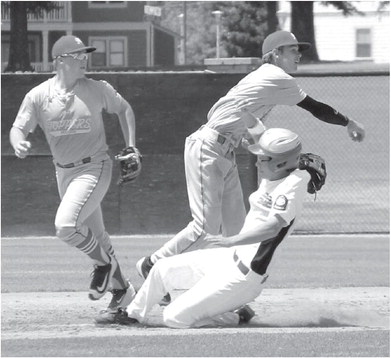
(106, 4)
(363, 43)
(110, 52)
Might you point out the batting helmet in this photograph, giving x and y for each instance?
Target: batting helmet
(281, 145)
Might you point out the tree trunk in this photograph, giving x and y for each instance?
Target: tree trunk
(302, 25)
(19, 59)
(272, 19)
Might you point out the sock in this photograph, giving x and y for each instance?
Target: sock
(91, 248)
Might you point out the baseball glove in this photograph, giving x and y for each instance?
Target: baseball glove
(130, 164)
(316, 167)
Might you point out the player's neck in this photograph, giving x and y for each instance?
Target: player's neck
(65, 83)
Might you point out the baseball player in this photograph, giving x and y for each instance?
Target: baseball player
(68, 107)
(220, 282)
(213, 185)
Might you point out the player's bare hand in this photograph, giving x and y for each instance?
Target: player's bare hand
(356, 131)
(22, 149)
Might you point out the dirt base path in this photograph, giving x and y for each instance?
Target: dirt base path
(41, 315)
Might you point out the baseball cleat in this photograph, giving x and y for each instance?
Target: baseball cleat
(143, 266)
(101, 277)
(119, 316)
(121, 298)
(245, 314)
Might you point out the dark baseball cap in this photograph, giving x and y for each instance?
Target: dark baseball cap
(282, 38)
(69, 44)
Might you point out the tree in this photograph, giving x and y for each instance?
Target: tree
(272, 19)
(245, 26)
(302, 23)
(19, 59)
(200, 32)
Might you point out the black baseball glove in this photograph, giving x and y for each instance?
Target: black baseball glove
(316, 166)
(130, 164)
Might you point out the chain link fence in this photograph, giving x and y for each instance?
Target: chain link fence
(355, 198)
(169, 107)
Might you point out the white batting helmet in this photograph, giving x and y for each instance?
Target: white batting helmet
(281, 145)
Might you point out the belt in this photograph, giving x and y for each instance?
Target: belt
(72, 165)
(241, 266)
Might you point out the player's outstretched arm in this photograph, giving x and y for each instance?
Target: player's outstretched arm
(128, 124)
(260, 232)
(328, 114)
(19, 143)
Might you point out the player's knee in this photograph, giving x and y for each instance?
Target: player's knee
(67, 234)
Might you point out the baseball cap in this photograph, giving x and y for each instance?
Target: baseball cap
(69, 44)
(276, 142)
(282, 38)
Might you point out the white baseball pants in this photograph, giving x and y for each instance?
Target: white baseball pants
(82, 190)
(215, 288)
(214, 192)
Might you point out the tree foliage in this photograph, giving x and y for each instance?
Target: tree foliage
(347, 7)
(245, 26)
(200, 29)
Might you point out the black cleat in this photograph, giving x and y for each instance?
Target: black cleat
(245, 314)
(101, 277)
(115, 317)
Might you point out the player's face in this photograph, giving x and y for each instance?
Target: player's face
(288, 58)
(263, 164)
(75, 63)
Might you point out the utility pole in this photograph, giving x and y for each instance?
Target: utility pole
(184, 31)
(218, 14)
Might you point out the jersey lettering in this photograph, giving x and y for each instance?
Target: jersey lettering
(69, 126)
(265, 200)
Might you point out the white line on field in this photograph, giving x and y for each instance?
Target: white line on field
(169, 236)
(91, 330)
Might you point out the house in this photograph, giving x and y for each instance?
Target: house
(124, 35)
(355, 37)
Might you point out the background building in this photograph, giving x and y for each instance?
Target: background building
(355, 37)
(125, 37)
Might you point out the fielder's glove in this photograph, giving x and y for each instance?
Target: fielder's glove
(130, 164)
(316, 166)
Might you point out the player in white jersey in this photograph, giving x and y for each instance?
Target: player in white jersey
(213, 185)
(220, 282)
(68, 107)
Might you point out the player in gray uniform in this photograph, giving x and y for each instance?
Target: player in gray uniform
(68, 107)
(213, 185)
(220, 282)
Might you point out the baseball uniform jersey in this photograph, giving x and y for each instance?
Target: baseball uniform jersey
(72, 122)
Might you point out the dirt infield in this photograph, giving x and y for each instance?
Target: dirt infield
(328, 296)
(43, 317)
